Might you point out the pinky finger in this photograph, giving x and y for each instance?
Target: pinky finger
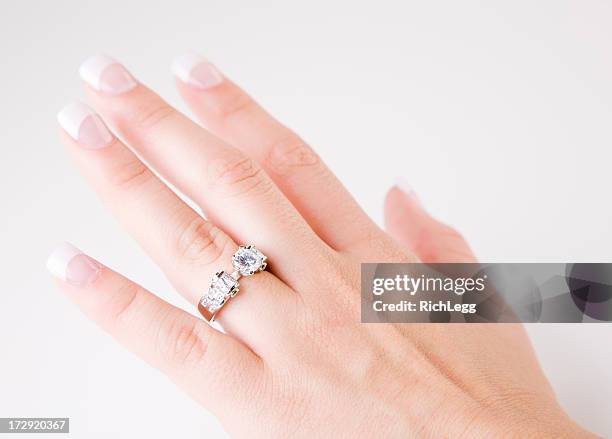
(190, 352)
(429, 239)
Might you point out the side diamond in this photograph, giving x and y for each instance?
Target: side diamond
(221, 288)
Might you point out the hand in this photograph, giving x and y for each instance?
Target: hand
(295, 359)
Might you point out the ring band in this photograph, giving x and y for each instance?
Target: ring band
(247, 261)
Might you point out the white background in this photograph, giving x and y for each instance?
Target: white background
(498, 113)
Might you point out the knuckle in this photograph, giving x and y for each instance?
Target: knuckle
(151, 115)
(182, 341)
(200, 241)
(121, 305)
(288, 153)
(234, 105)
(340, 276)
(238, 175)
(129, 175)
(346, 309)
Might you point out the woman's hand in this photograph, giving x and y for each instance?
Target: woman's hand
(295, 359)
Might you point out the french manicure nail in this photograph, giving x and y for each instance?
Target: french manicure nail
(196, 71)
(406, 188)
(105, 74)
(71, 265)
(84, 126)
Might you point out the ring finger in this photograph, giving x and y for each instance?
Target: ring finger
(187, 248)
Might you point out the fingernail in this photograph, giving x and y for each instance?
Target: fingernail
(405, 187)
(84, 126)
(196, 71)
(105, 74)
(71, 265)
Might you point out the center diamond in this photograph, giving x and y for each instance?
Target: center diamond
(248, 260)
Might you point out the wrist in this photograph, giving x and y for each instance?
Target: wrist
(532, 422)
(546, 426)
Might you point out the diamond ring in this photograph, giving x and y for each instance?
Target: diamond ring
(246, 261)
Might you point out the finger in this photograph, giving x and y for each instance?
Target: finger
(193, 354)
(227, 185)
(186, 247)
(231, 114)
(430, 240)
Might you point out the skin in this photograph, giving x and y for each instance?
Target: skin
(291, 364)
